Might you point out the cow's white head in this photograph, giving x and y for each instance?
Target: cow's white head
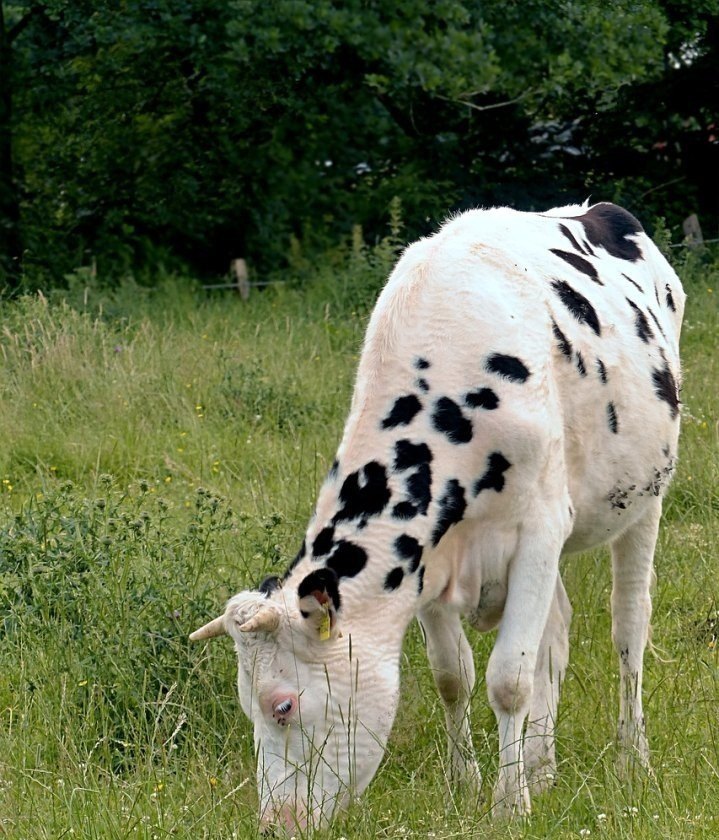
(321, 697)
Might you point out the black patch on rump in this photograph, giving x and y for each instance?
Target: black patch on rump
(394, 578)
(323, 542)
(403, 412)
(612, 418)
(421, 364)
(408, 548)
(510, 367)
(364, 493)
(347, 559)
(563, 342)
(323, 581)
(452, 506)
(493, 478)
(448, 419)
(482, 398)
(404, 510)
(578, 305)
(579, 263)
(610, 226)
(665, 387)
(644, 331)
(670, 299)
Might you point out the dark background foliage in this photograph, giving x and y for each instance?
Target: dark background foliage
(189, 132)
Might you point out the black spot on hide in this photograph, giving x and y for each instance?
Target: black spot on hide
(482, 398)
(323, 542)
(570, 236)
(323, 581)
(448, 419)
(665, 387)
(408, 454)
(609, 227)
(612, 418)
(334, 469)
(393, 579)
(563, 342)
(670, 299)
(510, 367)
(419, 487)
(423, 385)
(404, 510)
(580, 364)
(347, 559)
(636, 285)
(269, 584)
(577, 304)
(644, 331)
(602, 371)
(403, 412)
(420, 580)
(421, 364)
(579, 263)
(656, 322)
(452, 506)
(493, 478)
(364, 493)
(408, 548)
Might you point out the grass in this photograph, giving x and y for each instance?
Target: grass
(162, 450)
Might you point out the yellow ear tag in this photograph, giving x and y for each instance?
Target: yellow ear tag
(325, 622)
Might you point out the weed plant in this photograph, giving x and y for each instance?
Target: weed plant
(163, 449)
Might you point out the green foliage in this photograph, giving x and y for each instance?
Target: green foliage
(194, 132)
(141, 486)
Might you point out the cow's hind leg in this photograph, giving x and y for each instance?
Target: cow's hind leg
(539, 751)
(632, 568)
(452, 663)
(511, 668)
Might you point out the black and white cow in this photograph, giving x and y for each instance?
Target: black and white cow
(516, 400)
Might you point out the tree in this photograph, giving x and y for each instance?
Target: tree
(206, 129)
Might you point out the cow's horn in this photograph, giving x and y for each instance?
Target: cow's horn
(266, 618)
(213, 628)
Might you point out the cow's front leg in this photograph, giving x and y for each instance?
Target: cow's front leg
(511, 668)
(632, 567)
(539, 750)
(452, 663)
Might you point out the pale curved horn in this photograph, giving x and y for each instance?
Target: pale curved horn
(213, 628)
(266, 619)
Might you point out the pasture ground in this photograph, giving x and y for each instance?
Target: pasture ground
(162, 450)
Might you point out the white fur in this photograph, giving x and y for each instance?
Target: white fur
(482, 285)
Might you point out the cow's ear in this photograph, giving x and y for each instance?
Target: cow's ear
(319, 601)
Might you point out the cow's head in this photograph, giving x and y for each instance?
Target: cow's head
(321, 697)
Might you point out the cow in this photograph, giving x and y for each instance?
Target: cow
(516, 400)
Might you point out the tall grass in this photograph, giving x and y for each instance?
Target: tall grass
(162, 449)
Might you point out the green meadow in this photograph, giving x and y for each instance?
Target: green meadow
(162, 449)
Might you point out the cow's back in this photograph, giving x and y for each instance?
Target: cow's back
(527, 339)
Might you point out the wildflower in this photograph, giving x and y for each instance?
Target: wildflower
(168, 479)
(213, 782)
